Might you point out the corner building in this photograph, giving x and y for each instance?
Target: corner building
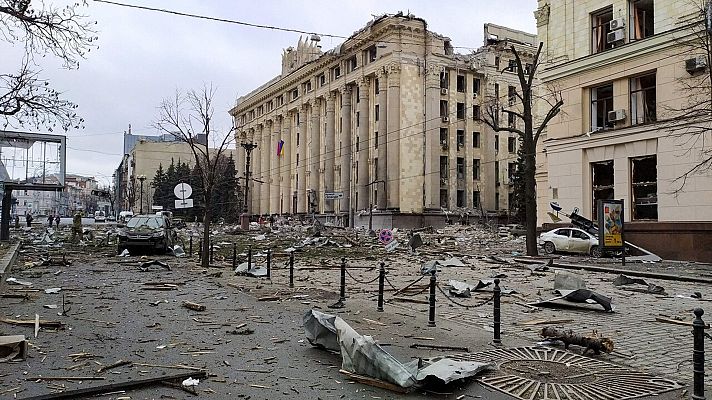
(389, 120)
(628, 71)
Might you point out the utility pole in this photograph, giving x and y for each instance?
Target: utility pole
(248, 150)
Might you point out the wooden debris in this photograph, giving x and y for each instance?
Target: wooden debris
(546, 322)
(592, 342)
(439, 347)
(269, 298)
(31, 322)
(114, 365)
(677, 322)
(64, 378)
(193, 306)
(373, 382)
(37, 324)
(371, 321)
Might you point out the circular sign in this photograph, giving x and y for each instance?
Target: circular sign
(183, 191)
(385, 236)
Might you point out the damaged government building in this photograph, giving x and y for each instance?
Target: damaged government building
(389, 120)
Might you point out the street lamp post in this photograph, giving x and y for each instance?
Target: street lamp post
(141, 178)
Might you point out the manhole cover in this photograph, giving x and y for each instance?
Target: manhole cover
(534, 373)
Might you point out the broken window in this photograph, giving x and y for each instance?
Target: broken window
(600, 22)
(512, 144)
(443, 108)
(512, 95)
(460, 168)
(376, 112)
(476, 112)
(460, 110)
(351, 64)
(496, 173)
(336, 72)
(476, 199)
(476, 169)
(461, 198)
(511, 171)
(443, 168)
(644, 187)
(511, 121)
(475, 139)
(476, 86)
(370, 54)
(642, 99)
(512, 66)
(602, 184)
(461, 83)
(496, 62)
(443, 137)
(460, 138)
(444, 80)
(443, 198)
(601, 105)
(641, 19)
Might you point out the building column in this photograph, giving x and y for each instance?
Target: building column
(345, 202)
(315, 194)
(392, 172)
(382, 140)
(301, 162)
(329, 153)
(287, 166)
(275, 166)
(255, 166)
(363, 181)
(265, 155)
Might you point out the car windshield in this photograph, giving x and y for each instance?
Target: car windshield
(151, 222)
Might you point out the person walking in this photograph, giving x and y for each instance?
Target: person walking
(50, 219)
(28, 219)
(57, 218)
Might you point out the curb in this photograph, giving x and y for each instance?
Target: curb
(7, 261)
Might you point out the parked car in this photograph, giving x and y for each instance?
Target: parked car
(147, 232)
(99, 216)
(570, 240)
(125, 216)
(110, 218)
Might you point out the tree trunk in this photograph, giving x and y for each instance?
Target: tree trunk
(530, 198)
(205, 260)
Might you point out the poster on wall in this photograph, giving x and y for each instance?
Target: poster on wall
(610, 224)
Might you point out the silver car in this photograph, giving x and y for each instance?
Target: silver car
(569, 240)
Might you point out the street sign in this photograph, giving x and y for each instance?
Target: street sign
(183, 191)
(385, 236)
(184, 203)
(333, 195)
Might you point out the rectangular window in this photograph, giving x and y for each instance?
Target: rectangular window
(375, 168)
(476, 199)
(461, 83)
(641, 19)
(511, 121)
(297, 154)
(443, 198)
(496, 173)
(443, 108)
(372, 54)
(376, 112)
(512, 66)
(601, 105)
(496, 143)
(642, 99)
(602, 184)
(511, 171)
(321, 79)
(358, 119)
(476, 169)
(295, 93)
(475, 139)
(307, 86)
(443, 137)
(476, 113)
(512, 145)
(461, 198)
(336, 72)
(357, 144)
(512, 95)
(376, 87)
(298, 121)
(444, 80)
(460, 168)
(476, 86)
(375, 140)
(460, 110)
(600, 28)
(443, 168)
(280, 100)
(351, 64)
(644, 187)
(460, 137)
(496, 62)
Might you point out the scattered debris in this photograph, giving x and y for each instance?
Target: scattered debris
(31, 322)
(144, 266)
(622, 280)
(568, 281)
(439, 347)
(593, 342)
(193, 306)
(117, 364)
(577, 298)
(253, 270)
(15, 281)
(52, 290)
(13, 347)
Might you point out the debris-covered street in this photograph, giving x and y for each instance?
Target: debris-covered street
(172, 329)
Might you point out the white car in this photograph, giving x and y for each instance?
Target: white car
(99, 216)
(570, 240)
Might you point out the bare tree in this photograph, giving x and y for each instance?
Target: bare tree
(529, 136)
(186, 117)
(26, 99)
(689, 123)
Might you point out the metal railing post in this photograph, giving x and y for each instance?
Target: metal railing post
(291, 269)
(342, 287)
(497, 323)
(381, 282)
(431, 314)
(698, 356)
(269, 264)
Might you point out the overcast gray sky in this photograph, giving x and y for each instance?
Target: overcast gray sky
(145, 56)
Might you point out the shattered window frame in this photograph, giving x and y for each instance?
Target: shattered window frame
(602, 188)
(644, 188)
(601, 105)
(643, 107)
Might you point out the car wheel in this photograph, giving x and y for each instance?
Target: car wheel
(549, 248)
(596, 251)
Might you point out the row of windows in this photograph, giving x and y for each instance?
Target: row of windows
(643, 186)
(460, 83)
(460, 199)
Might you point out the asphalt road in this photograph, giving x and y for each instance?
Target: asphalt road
(114, 317)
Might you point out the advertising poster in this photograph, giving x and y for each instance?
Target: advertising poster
(610, 223)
